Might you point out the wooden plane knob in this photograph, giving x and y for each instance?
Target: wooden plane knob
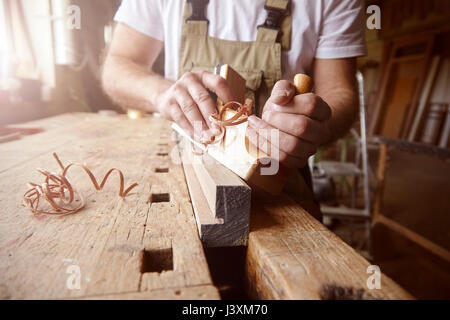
(303, 83)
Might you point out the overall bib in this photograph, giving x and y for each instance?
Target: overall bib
(259, 62)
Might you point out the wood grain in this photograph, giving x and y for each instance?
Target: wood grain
(235, 81)
(401, 70)
(293, 256)
(221, 200)
(111, 240)
(185, 293)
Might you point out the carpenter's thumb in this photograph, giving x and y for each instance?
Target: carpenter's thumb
(282, 92)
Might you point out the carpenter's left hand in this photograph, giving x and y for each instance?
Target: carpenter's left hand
(303, 121)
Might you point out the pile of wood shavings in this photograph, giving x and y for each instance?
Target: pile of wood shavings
(57, 191)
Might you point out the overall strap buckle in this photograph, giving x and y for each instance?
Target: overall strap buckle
(197, 10)
(275, 16)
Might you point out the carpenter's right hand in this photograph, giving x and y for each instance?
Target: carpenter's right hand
(188, 101)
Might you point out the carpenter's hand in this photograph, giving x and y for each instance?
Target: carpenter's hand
(303, 121)
(188, 102)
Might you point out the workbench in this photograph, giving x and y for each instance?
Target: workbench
(146, 246)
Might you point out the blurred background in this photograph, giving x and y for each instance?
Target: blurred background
(385, 188)
(51, 57)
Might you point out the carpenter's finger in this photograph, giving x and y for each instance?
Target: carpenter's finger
(189, 108)
(285, 142)
(308, 104)
(282, 93)
(204, 101)
(296, 125)
(279, 155)
(179, 118)
(218, 85)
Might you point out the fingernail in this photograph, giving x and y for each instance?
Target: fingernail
(282, 93)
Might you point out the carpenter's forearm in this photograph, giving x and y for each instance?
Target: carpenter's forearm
(344, 109)
(335, 82)
(131, 85)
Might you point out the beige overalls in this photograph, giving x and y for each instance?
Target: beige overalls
(259, 62)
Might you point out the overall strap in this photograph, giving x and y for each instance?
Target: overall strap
(278, 24)
(194, 19)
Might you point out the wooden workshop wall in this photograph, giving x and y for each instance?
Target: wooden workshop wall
(397, 68)
(406, 70)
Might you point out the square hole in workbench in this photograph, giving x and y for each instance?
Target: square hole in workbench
(159, 197)
(161, 170)
(157, 260)
(162, 154)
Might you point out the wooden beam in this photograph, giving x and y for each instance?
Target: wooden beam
(221, 200)
(414, 237)
(381, 173)
(418, 118)
(293, 256)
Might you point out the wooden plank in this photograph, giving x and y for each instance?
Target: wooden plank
(400, 99)
(10, 137)
(293, 256)
(424, 98)
(381, 174)
(246, 164)
(221, 201)
(389, 76)
(445, 135)
(235, 81)
(59, 130)
(414, 237)
(145, 242)
(189, 293)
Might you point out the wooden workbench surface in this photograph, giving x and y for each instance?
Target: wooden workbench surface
(113, 241)
(291, 255)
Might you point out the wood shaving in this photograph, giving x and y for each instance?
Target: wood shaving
(241, 116)
(62, 197)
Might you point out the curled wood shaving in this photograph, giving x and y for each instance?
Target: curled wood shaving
(241, 116)
(59, 193)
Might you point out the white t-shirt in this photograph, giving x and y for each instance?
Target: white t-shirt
(323, 29)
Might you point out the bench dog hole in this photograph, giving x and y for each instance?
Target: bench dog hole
(157, 260)
(162, 154)
(161, 170)
(159, 197)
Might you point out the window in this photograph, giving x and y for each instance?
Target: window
(4, 43)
